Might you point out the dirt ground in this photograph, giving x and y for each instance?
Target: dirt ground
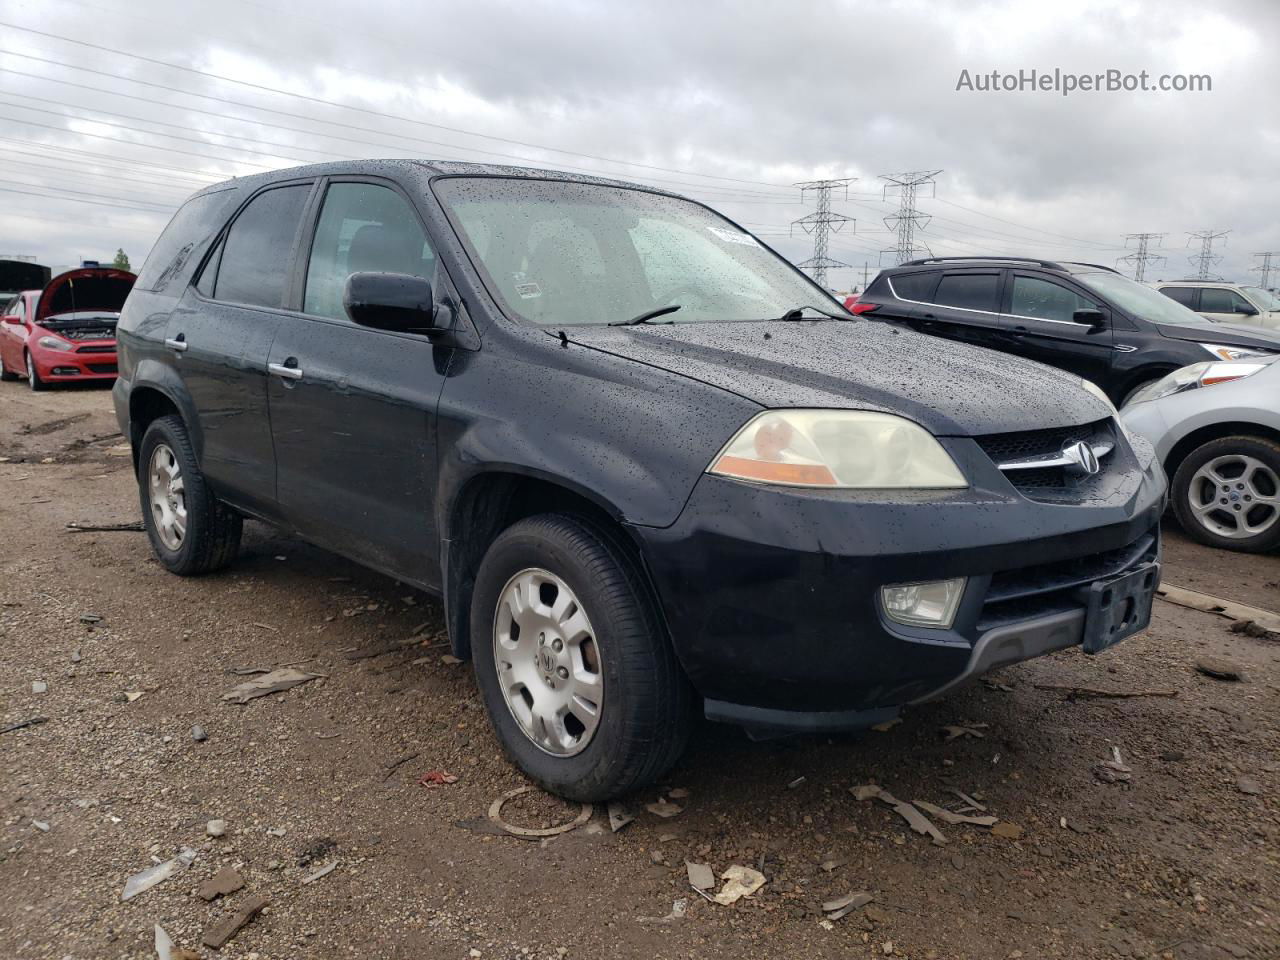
(1182, 861)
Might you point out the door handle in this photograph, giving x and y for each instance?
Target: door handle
(289, 369)
(178, 343)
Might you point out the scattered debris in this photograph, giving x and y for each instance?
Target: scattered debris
(701, 876)
(132, 526)
(1220, 669)
(947, 816)
(1251, 628)
(39, 686)
(143, 881)
(678, 793)
(1114, 770)
(164, 945)
(131, 695)
(382, 649)
(41, 825)
(1249, 786)
(740, 882)
(679, 909)
(399, 762)
(619, 816)
(1010, 831)
(436, 778)
(997, 685)
(866, 792)
(198, 734)
(90, 618)
(216, 828)
(315, 850)
(796, 782)
(955, 732)
(1089, 693)
(969, 802)
(268, 683)
(533, 833)
(887, 725)
(841, 907)
(322, 872)
(217, 936)
(76, 655)
(915, 819)
(265, 626)
(1263, 620)
(832, 862)
(225, 881)
(449, 660)
(664, 808)
(247, 671)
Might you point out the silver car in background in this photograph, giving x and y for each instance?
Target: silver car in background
(1215, 427)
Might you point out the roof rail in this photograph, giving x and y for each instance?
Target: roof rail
(1100, 266)
(1050, 264)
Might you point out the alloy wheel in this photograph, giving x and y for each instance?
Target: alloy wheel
(167, 494)
(1235, 496)
(548, 664)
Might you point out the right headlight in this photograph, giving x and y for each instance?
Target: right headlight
(1223, 352)
(837, 448)
(1195, 376)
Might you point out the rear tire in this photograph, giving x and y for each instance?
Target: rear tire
(571, 570)
(1225, 489)
(191, 531)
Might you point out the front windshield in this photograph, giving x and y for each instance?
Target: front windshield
(1263, 298)
(1140, 300)
(563, 253)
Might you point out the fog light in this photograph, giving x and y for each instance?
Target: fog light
(65, 371)
(931, 604)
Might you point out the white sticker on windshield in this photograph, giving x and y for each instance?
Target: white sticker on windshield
(528, 290)
(733, 236)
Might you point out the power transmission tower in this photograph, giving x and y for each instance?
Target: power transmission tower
(822, 223)
(1206, 257)
(1141, 256)
(907, 220)
(1266, 267)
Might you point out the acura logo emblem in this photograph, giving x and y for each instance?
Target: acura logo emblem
(1082, 458)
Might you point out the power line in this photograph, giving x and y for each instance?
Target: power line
(1141, 256)
(1265, 268)
(821, 223)
(1206, 257)
(100, 203)
(1018, 225)
(209, 178)
(377, 113)
(907, 220)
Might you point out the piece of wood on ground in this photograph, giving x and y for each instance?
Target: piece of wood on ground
(701, 876)
(841, 907)
(947, 816)
(217, 936)
(969, 801)
(919, 822)
(267, 683)
(224, 882)
(1265, 619)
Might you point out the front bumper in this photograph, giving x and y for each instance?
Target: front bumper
(771, 595)
(88, 361)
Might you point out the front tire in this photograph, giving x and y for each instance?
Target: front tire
(191, 531)
(1226, 493)
(33, 375)
(579, 679)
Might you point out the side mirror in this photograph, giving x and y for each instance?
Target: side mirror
(390, 301)
(1092, 318)
(1246, 309)
(13, 319)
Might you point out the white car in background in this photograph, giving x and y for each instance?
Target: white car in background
(1215, 427)
(1225, 302)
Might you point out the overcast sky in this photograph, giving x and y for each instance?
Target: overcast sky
(729, 102)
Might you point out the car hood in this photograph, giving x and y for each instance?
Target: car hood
(949, 388)
(1227, 334)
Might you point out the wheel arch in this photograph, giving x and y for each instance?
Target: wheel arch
(157, 391)
(1215, 431)
(490, 502)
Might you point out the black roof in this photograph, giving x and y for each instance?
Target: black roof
(1063, 266)
(430, 168)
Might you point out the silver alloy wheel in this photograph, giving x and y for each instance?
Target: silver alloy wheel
(31, 371)
(166, 491)
(548, 664)
(1235, 496)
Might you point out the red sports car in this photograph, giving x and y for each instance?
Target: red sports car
(67, 331)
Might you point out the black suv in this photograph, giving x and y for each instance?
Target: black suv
(1081, 317)
(645, 461)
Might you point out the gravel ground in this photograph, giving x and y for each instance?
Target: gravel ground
(1181, 861)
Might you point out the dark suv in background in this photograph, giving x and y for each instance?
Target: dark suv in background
(645, 461)
(1081, 317)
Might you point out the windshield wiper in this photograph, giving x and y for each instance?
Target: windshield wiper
(646, 316)
(797, 313)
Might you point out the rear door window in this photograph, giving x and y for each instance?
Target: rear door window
(257, 250)
(969, 291)
(1183, 295)
(1045, 300)
(364, 227)
(1220, 300)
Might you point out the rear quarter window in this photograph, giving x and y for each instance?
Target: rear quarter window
(915, 286)
(183, 241)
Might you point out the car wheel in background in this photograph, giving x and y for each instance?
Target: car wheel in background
(33, 375)
(580, 682)
(1226, 493)
(191, 531)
